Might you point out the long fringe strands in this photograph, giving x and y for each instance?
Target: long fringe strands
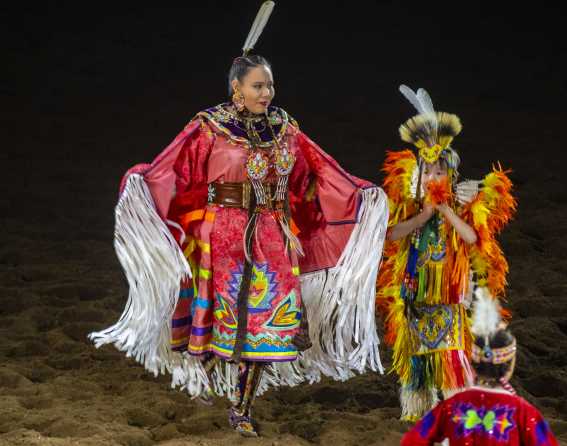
(448, 371)
(154, 266)
(404, 343)
(388, 297)
(416, 403)
(432, 283)
(459, 277)
(340, 301)
(443, 370)
(340, 306)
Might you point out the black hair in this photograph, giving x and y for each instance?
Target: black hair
(241, 66)
(493, 372)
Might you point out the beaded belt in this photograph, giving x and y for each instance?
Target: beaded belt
(237, 195)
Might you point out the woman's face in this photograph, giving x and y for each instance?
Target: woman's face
(258, 89)
(436, 171)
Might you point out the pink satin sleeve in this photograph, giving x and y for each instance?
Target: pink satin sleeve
(327, 222)
(226, 162)
(337, 190)
(160, 176)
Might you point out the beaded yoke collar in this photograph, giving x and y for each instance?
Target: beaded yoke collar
(227, 121)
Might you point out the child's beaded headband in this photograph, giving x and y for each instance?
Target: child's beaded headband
(493, 355)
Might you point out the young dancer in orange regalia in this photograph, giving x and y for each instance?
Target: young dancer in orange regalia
(441, 243)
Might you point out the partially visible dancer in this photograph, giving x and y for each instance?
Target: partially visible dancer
(441, 244)
(489, 413)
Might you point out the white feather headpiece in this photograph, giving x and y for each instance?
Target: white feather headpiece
(258, 26)
(420, 100)
(486, 314)
(486, 323)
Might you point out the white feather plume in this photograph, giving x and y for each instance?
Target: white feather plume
(423, 104)
(412, 97)
(425, 101)
(486, 313)
(258, 26)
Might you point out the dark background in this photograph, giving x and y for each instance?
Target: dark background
(114, 84)
(90, 89)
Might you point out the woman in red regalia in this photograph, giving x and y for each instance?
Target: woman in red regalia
(239, 233)
(489, 413)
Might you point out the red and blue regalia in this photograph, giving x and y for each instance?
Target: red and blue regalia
(482, 417)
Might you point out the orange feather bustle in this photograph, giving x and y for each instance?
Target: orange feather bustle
(398, 170)
(399, 166)
(488, 213)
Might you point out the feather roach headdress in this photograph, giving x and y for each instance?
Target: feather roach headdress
(258, 26)
(430, 131)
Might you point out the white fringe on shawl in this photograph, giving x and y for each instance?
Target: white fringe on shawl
(154, 266)
(339, 301)
(340, 305)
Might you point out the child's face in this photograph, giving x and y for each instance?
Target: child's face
(436, 171)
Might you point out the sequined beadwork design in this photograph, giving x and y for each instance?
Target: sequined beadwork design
(226, 120)
(496, 422)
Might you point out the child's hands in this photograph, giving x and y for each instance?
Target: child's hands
(443, 208)
(426, 213)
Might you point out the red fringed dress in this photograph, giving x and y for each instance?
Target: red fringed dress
(170, 231)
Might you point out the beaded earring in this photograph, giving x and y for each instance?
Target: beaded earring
(238, 100)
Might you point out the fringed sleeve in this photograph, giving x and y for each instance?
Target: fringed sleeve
(147, 243)
(342, 230)
(488, 213)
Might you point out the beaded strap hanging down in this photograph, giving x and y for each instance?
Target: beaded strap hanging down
(257, 168)
(284, 160)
